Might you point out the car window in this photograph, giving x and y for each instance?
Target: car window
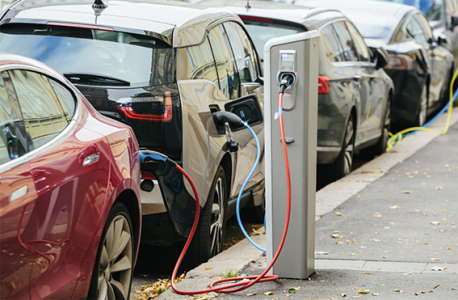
(415, 30)
(346, 41)
(425, 25)
(196, 62)
(65, 97)
(330, 44)
(41, 110)
(227, 72)
(360, 45)
(8, 146)
(243, 50)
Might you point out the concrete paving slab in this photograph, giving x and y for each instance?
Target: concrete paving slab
(446, 268)
(339, 264)
(394, 266)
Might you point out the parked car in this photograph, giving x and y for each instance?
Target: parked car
(69, 202)
(161, 67)
(354, 93)
(419, 67)
(443, 18)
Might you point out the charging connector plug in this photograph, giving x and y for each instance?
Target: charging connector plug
(285, 81)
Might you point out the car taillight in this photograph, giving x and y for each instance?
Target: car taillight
(148, 175)
(401, 62)
(323, 84)
(126, 107)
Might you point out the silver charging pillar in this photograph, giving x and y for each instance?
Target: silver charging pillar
(300, 51)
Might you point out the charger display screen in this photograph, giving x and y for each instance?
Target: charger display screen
(287, 57)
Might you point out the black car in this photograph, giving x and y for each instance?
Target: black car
(420, 68)
(354, 94)
(161, 67)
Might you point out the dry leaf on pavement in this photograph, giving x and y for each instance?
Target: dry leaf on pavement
(339, 214)
(377, 215)
(268, 293)
(407, 192)
(363, 291)
(435, 223)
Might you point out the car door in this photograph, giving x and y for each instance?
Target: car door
(17, 201)
(335, 103)
(70, 171)
(361, 79)
(375, 110)
(240, 47)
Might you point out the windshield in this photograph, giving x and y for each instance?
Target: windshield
(137, 59)
(433, 9)
(261, 33)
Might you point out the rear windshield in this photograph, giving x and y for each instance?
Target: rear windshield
(137, 60)
(262, 32)
(373, 26)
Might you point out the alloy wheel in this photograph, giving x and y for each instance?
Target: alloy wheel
(217, 218)
(115, 267)
(348, 155)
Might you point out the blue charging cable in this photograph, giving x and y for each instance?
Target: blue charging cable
(237, 207)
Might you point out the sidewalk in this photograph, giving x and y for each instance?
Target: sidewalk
(397, 234)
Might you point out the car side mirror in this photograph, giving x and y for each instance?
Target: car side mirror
(247, 108)
(442, 40)
(381, 58)
(453, 21)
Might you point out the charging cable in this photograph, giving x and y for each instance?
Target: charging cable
(396, 138)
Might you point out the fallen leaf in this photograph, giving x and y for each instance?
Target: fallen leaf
(436, 286)
(339, 214)
(435, 259)
(339, 243)
(407, 192)
(252, 294)
(268, 293)
(336, 231)
(208, 268)
(352, 254)
(377, 215)
(343, 295)
(288, 295)
(363, 291)
(335, 235)
(367, 273)
(375, 240)
(435, 223)
(394, 207)
(431, 291)
(438, 188)
(397, 290)
(375, 294)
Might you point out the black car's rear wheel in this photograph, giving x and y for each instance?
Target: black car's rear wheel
(112, 275)
(342, 165)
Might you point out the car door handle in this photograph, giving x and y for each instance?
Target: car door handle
(357, 78)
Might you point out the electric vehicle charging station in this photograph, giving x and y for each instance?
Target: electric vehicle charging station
(296, 55)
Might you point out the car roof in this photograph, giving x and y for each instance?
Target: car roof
(158, 16)
(272, 10)
(391, 10)
(384, 14)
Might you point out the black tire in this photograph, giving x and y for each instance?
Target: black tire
(420, 119)
(208, 239)
(107, 283)
(341, 167)
(380, 147)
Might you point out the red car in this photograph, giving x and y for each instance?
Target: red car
(69, 190)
